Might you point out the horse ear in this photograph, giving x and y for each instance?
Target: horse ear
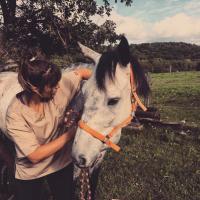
(89, 52)
(124, 51)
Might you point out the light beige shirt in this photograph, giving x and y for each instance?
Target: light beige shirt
(29, 129)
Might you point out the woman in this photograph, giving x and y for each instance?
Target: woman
(35, 124)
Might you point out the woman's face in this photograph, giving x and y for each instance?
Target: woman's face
(48, 93)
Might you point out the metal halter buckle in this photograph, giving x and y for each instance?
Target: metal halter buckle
(132, 100)
(133, 114)
(106, 138)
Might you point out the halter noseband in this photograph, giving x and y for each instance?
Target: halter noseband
(135, 101)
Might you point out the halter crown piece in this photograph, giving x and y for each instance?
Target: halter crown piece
(135, 101)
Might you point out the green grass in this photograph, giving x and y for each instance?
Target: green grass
(159, 163)
(177, 95)
(155, 163)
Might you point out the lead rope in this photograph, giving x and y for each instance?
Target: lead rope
(85, 191)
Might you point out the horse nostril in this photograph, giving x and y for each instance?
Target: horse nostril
(82, 160)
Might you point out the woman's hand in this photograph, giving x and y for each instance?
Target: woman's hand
(71, 117)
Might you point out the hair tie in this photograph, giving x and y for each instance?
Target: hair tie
(33, 58)
(47, 72)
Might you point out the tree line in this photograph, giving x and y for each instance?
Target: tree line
(154, 57)
(167, 56)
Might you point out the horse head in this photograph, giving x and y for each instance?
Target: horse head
(107, 100)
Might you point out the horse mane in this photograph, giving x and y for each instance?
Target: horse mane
(107, 68)
(142, 85)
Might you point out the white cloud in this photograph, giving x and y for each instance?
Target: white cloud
(193, 4)
(133, 28)
(180, 27)
(192, 7)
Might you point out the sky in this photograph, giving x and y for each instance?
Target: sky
(156, 20)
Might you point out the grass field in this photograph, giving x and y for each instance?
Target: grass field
(159, 163)
(177, 95)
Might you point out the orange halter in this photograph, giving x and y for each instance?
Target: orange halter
(106, 138)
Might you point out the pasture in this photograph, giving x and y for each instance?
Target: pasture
(159, 163)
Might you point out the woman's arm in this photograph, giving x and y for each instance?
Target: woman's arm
(52, 147)
(84, 73)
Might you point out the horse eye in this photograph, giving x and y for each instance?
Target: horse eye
(113, 101)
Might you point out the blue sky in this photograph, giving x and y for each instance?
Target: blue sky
(157, 20)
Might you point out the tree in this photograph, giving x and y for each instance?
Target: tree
(52, 24)
(8, 8)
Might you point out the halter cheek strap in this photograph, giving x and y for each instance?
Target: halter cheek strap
(135, 101)
(99, 136)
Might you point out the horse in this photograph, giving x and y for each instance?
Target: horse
(108, 96)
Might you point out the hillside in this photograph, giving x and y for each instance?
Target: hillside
(163, 57)
(154, 57)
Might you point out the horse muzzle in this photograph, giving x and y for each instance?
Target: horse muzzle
(82, 162)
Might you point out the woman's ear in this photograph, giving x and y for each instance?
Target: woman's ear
(124, 51)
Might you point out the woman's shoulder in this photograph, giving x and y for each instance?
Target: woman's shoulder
(69, 84)
(16, 106)
(18, 111)
(71, 75)
(70, 80)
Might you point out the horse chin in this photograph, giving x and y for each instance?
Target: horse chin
(91, 164)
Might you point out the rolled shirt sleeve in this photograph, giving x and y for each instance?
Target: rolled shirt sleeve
(21, 134)
(69, 85)
(71, 81)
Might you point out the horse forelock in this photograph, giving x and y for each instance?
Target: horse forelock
(106, 68)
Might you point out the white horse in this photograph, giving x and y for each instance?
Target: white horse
(9, 87)
(107, 96)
